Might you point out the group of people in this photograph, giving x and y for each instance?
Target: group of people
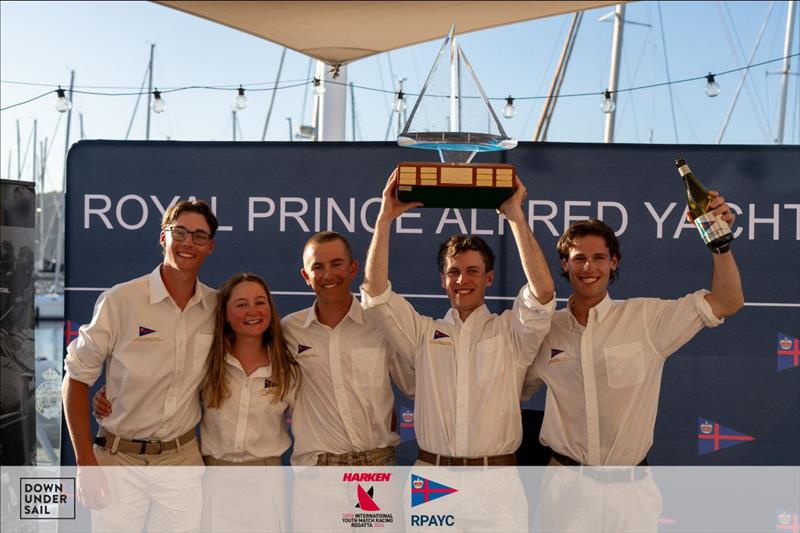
(177, 353)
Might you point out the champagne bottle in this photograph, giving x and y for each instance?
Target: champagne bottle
(713, 229)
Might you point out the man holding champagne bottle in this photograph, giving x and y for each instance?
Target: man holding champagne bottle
(602, 360)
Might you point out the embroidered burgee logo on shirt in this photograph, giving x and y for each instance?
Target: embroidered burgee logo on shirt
(145, 331)
(302, 348)
(554, 356)
(440, 335)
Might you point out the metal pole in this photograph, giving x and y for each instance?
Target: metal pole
(613, 76)
(33, 174)
(233, 115)
(787, 47)
(291, 136)
(60, 210)
(333, 105)
(353, 111)
(80, 118)
(272, 99)
(19, 152)
(744, 75)
(149, 91)
(540, 134)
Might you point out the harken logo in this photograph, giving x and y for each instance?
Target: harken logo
(365, 501)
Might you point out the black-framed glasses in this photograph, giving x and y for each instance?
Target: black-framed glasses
(180, 233)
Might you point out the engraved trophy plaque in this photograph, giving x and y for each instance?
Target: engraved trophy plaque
(453, 116)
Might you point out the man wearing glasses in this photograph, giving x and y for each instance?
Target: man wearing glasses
(153, 333)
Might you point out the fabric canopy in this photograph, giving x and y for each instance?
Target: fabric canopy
(342, 32)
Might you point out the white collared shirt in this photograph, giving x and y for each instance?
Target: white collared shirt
(345, 400)
(248, 424)
(603, 380)
(469, 374)
(154, 354)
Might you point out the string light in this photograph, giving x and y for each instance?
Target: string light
(399, 102)
(62, 102)
(158, 105)
(608, 105)
(509, 110)
(712, 87)
(240, 102)
(319, 87)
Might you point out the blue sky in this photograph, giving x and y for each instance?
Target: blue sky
(107, 44)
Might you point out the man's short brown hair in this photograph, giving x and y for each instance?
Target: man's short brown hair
(582, 228)
(328, 236)
(190, 206)
(459, 243)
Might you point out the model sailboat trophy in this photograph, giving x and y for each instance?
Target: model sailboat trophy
(453, 116)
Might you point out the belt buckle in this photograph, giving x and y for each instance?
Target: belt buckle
(146, 443)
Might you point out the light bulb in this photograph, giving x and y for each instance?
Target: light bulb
(319, 87)
(509, 110)
(608, 105)
(62, 102)
(159, 105)
(399, 102)
(712, 87)
(240, 102)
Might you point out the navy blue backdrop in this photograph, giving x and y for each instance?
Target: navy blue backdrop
(737, 381)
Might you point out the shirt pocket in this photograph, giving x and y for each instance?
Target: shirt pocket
(624, 365)
(369, 366)
(490, 354)
(202, 345)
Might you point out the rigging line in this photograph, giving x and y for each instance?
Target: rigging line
(666, 65)
(729, 27)
(27, 101)
(543, 79)
(305, 96)
(744, 76)
(138, 98)
(755, 101)
(383, 83)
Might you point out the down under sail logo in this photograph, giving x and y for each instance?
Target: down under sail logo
(712, 437)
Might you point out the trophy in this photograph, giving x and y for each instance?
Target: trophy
(455, 118)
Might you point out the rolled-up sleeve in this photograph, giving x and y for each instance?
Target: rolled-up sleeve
(397, 320)
(673, 323)
(87, 353)
(530, 324)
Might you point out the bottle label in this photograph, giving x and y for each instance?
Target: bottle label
(711, 227)
(684, 169)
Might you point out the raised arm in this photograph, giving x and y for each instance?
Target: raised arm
(534, 264)
(376, 271)
(726, 296)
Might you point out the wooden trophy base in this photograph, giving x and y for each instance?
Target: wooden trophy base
(477, 185)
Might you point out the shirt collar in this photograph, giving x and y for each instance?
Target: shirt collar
(454, 319)
(355, 313)
(260, 372)
(158, 291)
(600, 310)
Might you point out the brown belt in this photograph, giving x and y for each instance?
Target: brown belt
(266, 461)
(569, 461)
(105, 439)
(441, 460)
